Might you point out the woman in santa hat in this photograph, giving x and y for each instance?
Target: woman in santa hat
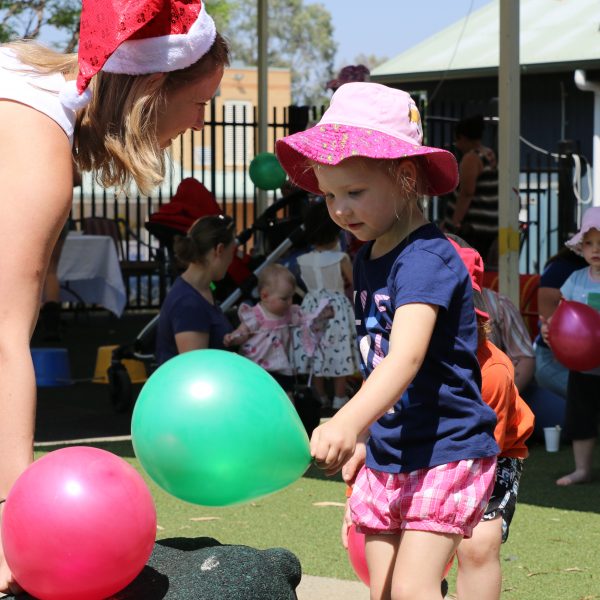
(143, 75)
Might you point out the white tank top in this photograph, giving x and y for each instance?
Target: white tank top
(322, 270)
(23, 84)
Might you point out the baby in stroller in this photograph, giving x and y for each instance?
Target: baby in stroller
(265, 331)
(274, 333)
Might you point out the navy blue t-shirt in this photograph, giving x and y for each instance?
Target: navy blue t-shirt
(185, 309)
(441, 417)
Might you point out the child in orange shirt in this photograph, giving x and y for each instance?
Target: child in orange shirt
(479, 571)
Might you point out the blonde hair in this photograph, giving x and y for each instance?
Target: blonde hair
(409, 187)
(116, 132)
(272, 273)
(391, 167)
(43, 59)
(483, 330)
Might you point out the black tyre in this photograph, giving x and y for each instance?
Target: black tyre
(307, 406)
(119, 388)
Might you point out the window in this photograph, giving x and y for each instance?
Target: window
(203, 156)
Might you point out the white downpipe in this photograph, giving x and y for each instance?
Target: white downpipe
(591, 86)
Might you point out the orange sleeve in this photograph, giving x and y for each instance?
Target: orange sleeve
(515, 420)
(497, 393)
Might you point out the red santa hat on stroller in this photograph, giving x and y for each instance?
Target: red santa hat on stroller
(137, 37)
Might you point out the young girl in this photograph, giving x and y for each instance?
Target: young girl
(430, 449)
(144, 74)
(325, 270)
(265, 333)
(583, 390)
(189, 318)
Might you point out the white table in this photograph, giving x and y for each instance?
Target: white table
(89, 266)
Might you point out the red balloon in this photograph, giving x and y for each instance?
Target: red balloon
(574, 335)
(356, 554)
(79, 523)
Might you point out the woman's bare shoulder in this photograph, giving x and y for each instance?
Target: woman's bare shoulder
(35, 150)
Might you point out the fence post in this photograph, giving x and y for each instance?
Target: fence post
(567, 203)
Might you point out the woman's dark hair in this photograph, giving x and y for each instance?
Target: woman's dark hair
(565, 253)
(470, 127)
(320, 229)
(204, 235)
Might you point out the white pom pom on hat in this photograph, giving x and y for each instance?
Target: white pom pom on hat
(70, 96)
(137, 37)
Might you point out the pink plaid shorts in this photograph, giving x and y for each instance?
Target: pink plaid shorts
(449, 498)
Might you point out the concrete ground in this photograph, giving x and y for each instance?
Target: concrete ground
(325, 588)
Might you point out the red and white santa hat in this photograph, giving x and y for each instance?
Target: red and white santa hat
(137, 37)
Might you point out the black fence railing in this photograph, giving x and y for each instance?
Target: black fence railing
(219, 157)
(548, 209)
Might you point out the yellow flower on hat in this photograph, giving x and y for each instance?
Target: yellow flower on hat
(415, 117)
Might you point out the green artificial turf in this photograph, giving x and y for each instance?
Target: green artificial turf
(552, 553)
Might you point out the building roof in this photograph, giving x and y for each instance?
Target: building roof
(556, 35)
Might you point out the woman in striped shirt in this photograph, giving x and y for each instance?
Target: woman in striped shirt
(472, 213)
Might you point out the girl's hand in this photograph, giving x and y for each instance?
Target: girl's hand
(227, 340)
(235, 338)
(328, 313)
(346, 522)
(332, 444)
(545, 328)
(357, 460)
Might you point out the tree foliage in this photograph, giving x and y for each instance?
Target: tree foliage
(220, 11)
(27, 18)
(369, 60)
(300, 38)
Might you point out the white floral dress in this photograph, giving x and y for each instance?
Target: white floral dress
(336, 354)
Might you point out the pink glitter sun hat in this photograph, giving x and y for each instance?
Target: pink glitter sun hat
(371, 120)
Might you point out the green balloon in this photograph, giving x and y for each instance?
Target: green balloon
(266, 172)
(213, 428)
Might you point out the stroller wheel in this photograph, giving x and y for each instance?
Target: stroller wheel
(119, 388)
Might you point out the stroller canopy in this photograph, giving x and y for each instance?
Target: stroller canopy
(191, 201)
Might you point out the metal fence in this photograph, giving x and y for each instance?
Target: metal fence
(539, 188)
(206, 155)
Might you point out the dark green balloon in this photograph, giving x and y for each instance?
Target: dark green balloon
(266, 172)
(213, 428)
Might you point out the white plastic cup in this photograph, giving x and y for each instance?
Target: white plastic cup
(552, 438)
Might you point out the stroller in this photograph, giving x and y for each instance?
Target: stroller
(281, 236)
(192, 201)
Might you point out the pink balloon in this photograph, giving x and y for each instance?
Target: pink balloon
(574, 335)
(78, 524)
(356, 554)
(358, 560)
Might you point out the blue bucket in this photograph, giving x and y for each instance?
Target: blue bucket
(51, 367)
